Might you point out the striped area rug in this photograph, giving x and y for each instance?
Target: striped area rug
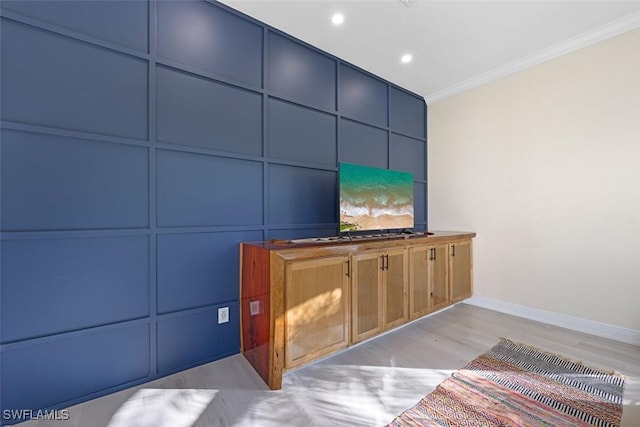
(517, 385)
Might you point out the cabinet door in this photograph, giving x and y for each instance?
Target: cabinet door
(316, 309)
(366, 288)
(460, 267)
(439, 277)
(419, 281)
(396, 286)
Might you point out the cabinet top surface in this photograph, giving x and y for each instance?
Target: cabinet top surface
(344, 245)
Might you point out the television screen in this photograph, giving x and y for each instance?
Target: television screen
(374, 199)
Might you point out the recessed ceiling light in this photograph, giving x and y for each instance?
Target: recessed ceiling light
(406, 58)
(337, 19)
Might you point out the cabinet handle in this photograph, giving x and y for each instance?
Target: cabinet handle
(348, 268)
(387, 258)
(382, 262)
(435, 254)
(432, 254)
(453, 250)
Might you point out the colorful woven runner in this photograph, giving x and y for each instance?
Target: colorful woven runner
(517, 385)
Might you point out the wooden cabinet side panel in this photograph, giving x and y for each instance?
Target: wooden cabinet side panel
(277, 278)
(255, 292)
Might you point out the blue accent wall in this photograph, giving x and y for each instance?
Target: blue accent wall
(140, 143)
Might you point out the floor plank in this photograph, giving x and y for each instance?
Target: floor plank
(367, 385)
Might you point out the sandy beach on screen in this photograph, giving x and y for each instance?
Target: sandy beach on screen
(381, 222)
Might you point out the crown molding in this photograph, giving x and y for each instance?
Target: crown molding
(614, 28)
(592, 327)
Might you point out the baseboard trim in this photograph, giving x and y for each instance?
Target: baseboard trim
(600, 329)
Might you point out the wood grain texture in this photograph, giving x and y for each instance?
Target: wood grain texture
(439, 272)
(256, 329)
(316, 309)
(418, 281)
(289, 250)
(366, 290)
(460, 270)
(396, 288)
(276, 364)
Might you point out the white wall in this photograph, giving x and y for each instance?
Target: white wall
(545, 166)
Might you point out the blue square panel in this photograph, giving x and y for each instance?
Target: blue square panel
(42, 375)
(419, 202)
(72, 283)
(206, 37)
(301, 134)
(198, 269)
(407, 113)
(363, 97)
(203, 113)
(52, 80)
(301, 73)
(201, 190)
(93, 18)
(363, 145)
(407, 154)
(53, 182)
(302, 196)
(187, 339)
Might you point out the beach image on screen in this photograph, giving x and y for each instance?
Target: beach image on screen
(374, 199)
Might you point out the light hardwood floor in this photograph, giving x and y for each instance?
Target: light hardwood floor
(367, 385)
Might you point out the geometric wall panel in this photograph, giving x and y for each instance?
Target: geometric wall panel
(94, 19)
(53, 182)
(301, 196)
(208, 38)
(198, 269)
(301, 73)
(141, 142)
(362, 144)
(362, 96)
(186, 339)
(59, 285)
(202, 113)
(407, 113)
(41, 375)
(56, 81)
(419, 201)
(199, 190)
(301, 134)
(407, 154)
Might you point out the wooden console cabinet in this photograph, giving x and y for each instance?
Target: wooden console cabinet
(307, 299)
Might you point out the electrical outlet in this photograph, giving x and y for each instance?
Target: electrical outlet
(254, 308)
(223, 315)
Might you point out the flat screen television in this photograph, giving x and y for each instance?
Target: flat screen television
(374, 199)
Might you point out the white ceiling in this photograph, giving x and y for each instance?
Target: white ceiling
(456, 45)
